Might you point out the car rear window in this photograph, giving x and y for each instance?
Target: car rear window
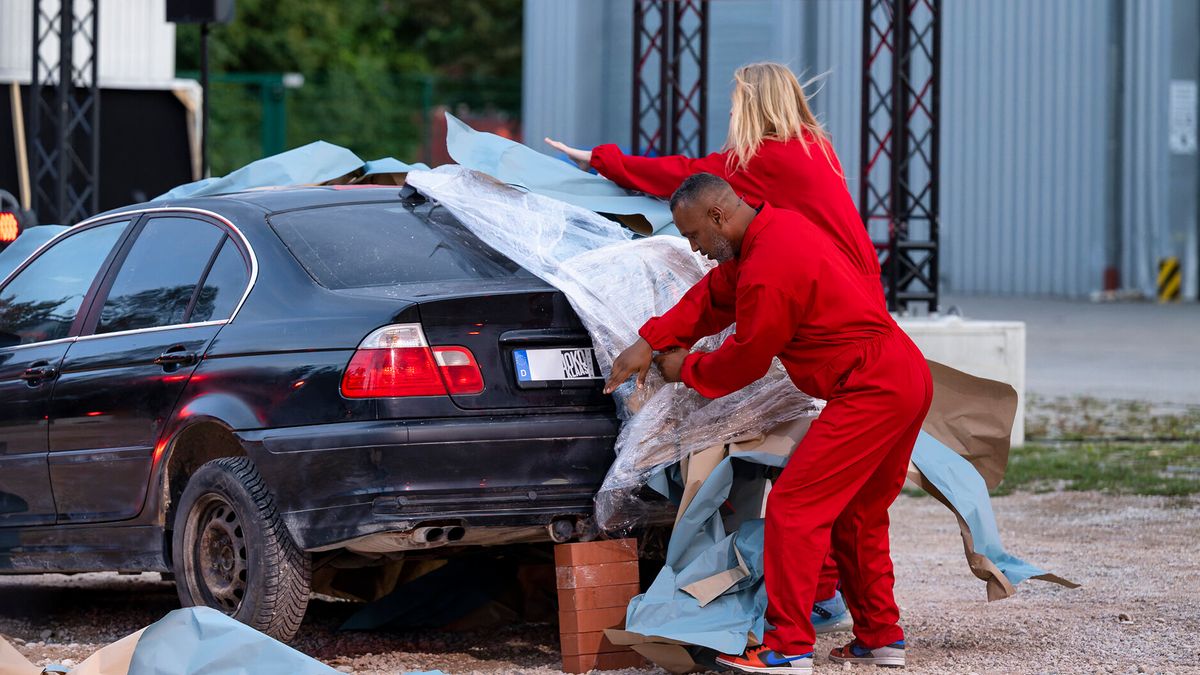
(360, 245)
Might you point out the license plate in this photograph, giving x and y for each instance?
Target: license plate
(555, 365)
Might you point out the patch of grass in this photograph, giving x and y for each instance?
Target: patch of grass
(1085, 418)
(1126, 468)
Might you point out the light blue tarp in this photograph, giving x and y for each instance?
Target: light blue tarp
(962, 485)
(203, 641)
(517, 164)
(699, 548)
(311, 164)
(390, 165)
(501, 158)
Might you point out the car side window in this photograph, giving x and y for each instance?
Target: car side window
(158, 277)
(223, 285)
(41, 302)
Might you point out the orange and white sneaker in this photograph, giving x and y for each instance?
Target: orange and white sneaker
(888, 656)
(763, 659)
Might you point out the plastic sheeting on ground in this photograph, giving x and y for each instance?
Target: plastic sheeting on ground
(313, 164)
(191, 641)
(519, 165)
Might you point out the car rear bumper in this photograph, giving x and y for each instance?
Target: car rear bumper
(335, 483)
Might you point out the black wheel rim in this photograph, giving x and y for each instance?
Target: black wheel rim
(218, 553)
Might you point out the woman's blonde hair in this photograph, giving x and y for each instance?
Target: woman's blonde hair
(769, 103)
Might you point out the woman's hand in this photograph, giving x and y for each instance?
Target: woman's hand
(581, 157)
(635, 359)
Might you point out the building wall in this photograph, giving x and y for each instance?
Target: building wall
(1024, 138)
(1054, 121)
(136, 44)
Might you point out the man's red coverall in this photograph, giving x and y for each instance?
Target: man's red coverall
(795, 296)
(801, 175)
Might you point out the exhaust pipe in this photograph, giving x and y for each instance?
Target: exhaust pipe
(420, 537)
(429, 535)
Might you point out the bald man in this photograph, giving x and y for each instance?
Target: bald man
(794, 296)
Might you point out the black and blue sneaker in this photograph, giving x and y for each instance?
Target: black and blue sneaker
(888, 656)
(763, 659)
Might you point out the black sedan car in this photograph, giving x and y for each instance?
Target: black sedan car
(233, 389)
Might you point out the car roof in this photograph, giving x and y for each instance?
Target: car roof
(274, 200)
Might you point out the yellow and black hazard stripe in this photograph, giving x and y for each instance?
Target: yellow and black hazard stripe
(1170, 280)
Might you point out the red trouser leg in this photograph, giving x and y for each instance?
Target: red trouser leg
(861, 433)
(861, 547)
(827, 583)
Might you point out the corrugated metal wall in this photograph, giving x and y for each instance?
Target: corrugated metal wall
(137, 45)
(1031, 123)
(1145, 162)
(1024, 138)
(577, 65)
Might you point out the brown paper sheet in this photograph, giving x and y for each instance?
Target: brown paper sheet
(974, 417)
(712, 587)
(13, 663)
(670, 655)
(998, 585)
(695, 469)
(113, 659)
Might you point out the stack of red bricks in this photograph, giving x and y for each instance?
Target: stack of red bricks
(596, 581)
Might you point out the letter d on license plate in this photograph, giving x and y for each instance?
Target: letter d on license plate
(555, 365)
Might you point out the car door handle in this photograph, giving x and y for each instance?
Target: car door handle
(37, 374)
(176, 359)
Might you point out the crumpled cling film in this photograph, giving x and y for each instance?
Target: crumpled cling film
(615, 283)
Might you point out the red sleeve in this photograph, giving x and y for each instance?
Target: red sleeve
(706, 309)
(658, 176)
(766, 322)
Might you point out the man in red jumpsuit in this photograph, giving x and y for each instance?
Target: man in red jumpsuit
(795, 296)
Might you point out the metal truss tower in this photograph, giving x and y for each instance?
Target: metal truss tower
(64, 110)
(670, 71)
(898, 197)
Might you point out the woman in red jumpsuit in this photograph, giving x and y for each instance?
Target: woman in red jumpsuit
(776, 152)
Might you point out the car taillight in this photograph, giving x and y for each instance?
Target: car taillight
(459, 370)
(398, 361)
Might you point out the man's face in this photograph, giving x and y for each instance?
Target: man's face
(700, 225)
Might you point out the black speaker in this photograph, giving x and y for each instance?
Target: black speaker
(199, 11)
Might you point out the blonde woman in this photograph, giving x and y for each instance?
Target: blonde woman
(776, 152)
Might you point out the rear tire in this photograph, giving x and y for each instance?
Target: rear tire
(232, 552)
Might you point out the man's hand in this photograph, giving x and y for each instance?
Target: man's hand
(635, 359)
(670, 363)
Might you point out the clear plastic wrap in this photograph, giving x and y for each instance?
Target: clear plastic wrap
(615, 283)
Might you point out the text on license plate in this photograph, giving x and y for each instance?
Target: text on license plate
(549, 365)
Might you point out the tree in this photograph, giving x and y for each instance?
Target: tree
(365, 64)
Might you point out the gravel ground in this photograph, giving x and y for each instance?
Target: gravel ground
(1138, 611)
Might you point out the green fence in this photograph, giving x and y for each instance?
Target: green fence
(258, 114)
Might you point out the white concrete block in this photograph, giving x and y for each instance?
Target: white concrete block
(991, 349)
